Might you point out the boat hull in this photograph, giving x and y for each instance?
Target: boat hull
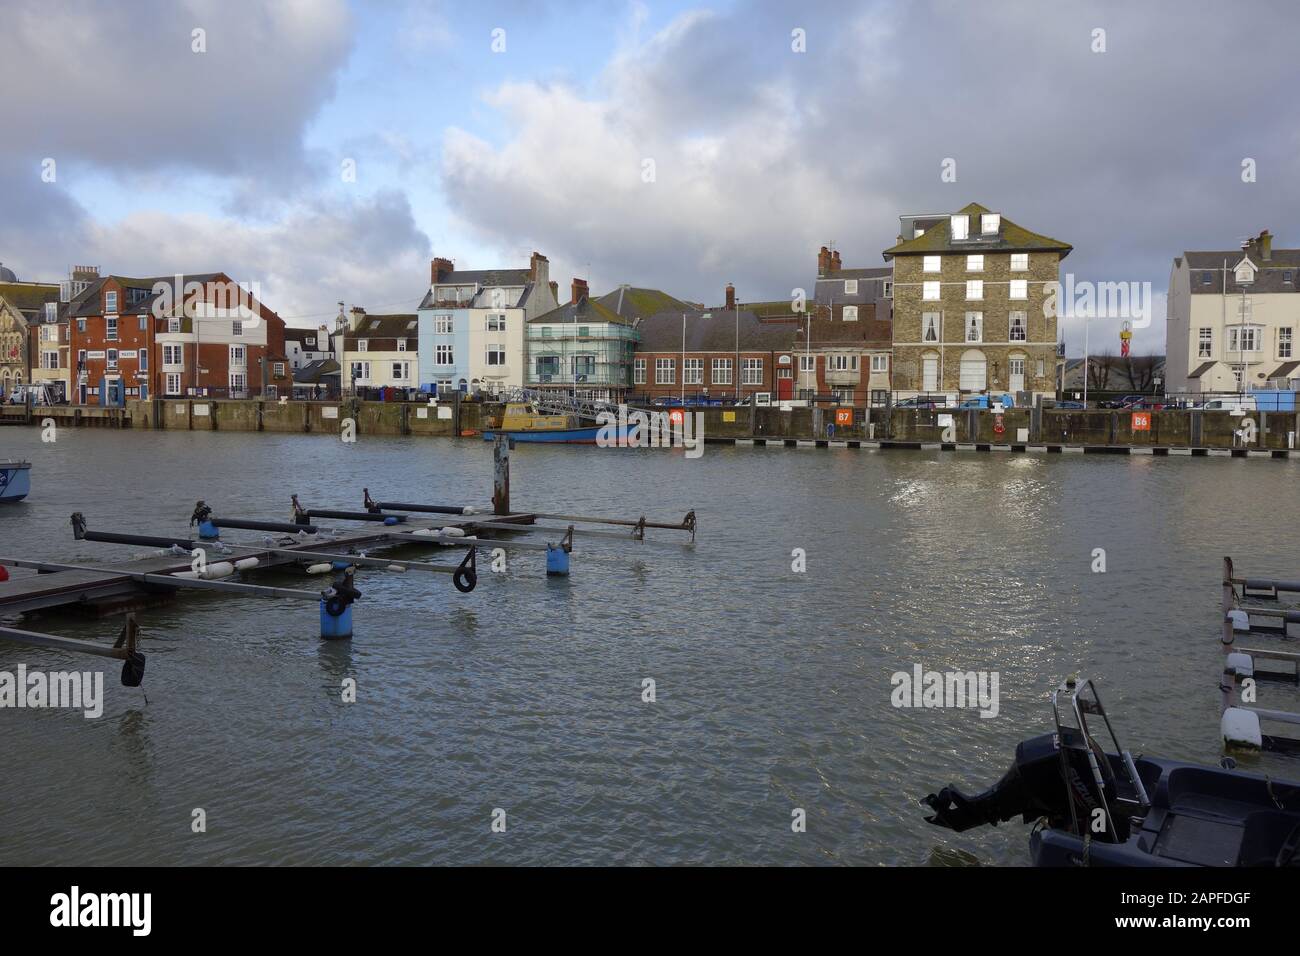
(15, 482)
(562, 436)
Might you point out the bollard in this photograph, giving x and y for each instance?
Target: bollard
(501, 475)
(557, 560)
(208, 531)
(336, 607)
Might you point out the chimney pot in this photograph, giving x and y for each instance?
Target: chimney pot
(578, 291)
(823, 261)
(731, 296)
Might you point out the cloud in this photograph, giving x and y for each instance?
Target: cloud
(121, 87)
(762, 154)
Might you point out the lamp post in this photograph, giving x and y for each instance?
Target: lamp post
(683, 360)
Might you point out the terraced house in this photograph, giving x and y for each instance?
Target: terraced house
(1233, 319)
(380, 352)
(472, 321)
(31, 346)
(583, 347)
(972, 296)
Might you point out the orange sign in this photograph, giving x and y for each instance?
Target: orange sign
(676, 416)
(1142, 421)
(843, 416)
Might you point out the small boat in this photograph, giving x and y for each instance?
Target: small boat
(524, 423)
(15, 480)
(1092, 807)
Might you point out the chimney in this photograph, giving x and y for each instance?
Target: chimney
(835, 261)
(823, 262)
(539, 269)
(731, 296)
(355, 317)
(555, 290)
(439, 270)
(1265, 245)
(579, 290)
(85, 273)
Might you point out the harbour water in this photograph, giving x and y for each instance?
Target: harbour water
(772, 687)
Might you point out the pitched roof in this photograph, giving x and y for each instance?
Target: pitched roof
(1010, 238)
(587, 310)
(1201, 369)
(28, 297)
(633, 303)
(313, 372)
(385, 327)
(1270, 274)
(1285, 370)
(712, 332)
(298, 334)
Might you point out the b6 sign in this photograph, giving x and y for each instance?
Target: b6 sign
(1142, 421)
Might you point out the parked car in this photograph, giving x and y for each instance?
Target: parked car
(1231, 403)
(1119, 402)
(922, 401)
(1069, 403)
(1147, 403)
(988, 401)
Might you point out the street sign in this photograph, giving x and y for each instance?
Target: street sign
(843, 416)
(1142, 421)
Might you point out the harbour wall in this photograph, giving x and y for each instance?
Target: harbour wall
(1019, 426)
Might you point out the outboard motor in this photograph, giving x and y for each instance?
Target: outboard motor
(1033, 787)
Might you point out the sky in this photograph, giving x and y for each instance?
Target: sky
(326, 150)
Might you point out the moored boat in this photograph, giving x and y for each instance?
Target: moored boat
(15, 480)
(1093, 807)
(523, 422)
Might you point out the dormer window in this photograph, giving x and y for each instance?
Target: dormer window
(850, 286)
(960, 227)
(52, 308)
(110, 303)
(1207, 278)
(990, 222)
(1245, 273)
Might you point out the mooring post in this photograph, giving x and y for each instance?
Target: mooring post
(501, 475)
(336, 607)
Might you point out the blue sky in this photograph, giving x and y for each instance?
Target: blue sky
(231, 159)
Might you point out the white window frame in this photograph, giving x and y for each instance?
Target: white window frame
(444, 355)
(930, 327)
(850, 313)
(1018, 289)
(173, 383)
(494, 351)
(929, 291)
(850, 286)
(880, 363)
(442, 324)
(751, 371)
(638, 371)
(1205, 342)
(975, 263)
(974, 325)
(238, 356)
(110, 303)
(665, 371)
(990, 222)
(974, 290)
(236, 327)
(1019, 262)
(932, 264)
(960, 226)
(401, 371)
(721, 371)
(363, 345)
(1285, 341)
(496, 322)
(693, 371)
(1018, 322)
(110, 328)
(401, 345)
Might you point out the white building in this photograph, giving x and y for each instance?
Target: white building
(304, 346)
(380, 351)
(1232, 320)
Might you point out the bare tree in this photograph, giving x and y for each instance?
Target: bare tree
(1142, 372)
(1099, 369)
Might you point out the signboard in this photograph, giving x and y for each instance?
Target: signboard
(444, 411)
(132, 353)
(676, 416)
(201, 410)
(422, 412)
(728, 416)
(763, 399)
(1142, 421)
(945, 421)
(843, 416)
(330, 412)
(96, 355)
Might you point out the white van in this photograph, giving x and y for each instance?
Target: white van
(1231, 403)
(41, 394)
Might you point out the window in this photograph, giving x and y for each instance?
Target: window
(880, 363)
(1018, 331)
(1286, 278)
(583, 366)
(144, 323)
(932, 264)
(442, 355)
(1019, 289)
(81, 325)
(889, 289)
(974, 326)
(960, 227)
(989, 223)
(751, 371)
(49, 360)
(850, 286)
(112, 358)
(1245, 274)
(173, 383)
(1205, 343)
(52, 308)
(110, 329)
(1244, 339)
(496, 355)
(278, 369)
(401, 345)
(841, 363)
(584, 332)
(548, 366)
(363, 345)
(496, 322)
(930, 291)
(399, 371)
(1019, 262)
(110, 303)
(850, 313)
(807, 363)
(143, 359)
(973, 371)
(974, 263)
(173, 325)
(1284, 342)
(1207, 278)
(309, 341)
(1041, 366)
(236, 327)
(360, 371)
(638, 372)
(238, 381)
(442, 324)
(665, 371)
(974, 288)
(238, 356)
(785, 373)
(721, 371)
(172, 355)
(693, 371)
(930, 327)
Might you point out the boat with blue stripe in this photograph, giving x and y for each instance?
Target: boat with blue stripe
(522, 422)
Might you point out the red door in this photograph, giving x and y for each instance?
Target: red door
(784, 389)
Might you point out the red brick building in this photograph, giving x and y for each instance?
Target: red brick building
(172, 336)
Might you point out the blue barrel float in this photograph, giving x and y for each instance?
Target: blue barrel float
(336, 605)
(557, 559)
